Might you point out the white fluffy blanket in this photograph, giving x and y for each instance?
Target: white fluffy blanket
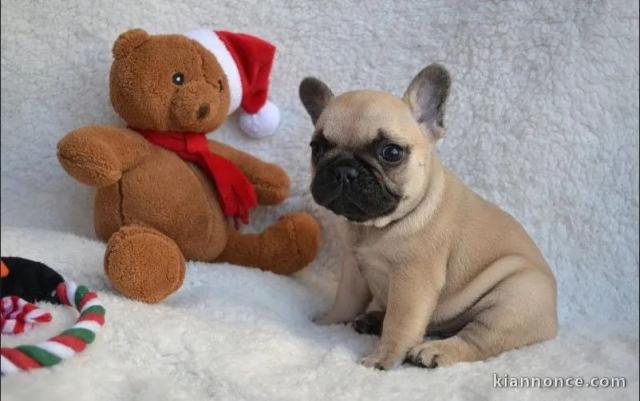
(543, 120)
(239, 334)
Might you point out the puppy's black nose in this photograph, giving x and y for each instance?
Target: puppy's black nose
(345, 173)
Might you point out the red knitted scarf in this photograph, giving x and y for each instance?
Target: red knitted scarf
(236, 194)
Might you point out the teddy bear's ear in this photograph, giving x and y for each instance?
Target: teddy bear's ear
(128, 41)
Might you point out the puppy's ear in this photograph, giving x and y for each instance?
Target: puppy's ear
(426, 96)
(128, 41)
(314, 95)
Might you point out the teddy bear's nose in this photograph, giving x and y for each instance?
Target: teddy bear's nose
(203, 111)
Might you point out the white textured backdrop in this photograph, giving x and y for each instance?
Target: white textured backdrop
(543, 118)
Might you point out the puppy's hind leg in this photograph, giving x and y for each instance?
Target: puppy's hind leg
(369, 323)
(502, 320)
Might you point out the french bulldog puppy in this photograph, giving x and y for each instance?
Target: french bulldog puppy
(424, 251)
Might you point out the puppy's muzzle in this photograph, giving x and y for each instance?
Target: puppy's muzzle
(332, 180)
(345, 174)
(350, 188)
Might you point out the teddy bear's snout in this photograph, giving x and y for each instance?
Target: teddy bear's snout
(203, 111)
(194, 106)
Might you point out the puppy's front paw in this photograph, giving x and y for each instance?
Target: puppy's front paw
(383, 360)
(436, 353)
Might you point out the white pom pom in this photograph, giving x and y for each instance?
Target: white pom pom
(260, 124)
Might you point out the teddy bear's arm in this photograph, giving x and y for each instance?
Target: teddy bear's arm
(97, 155)
(270, 181)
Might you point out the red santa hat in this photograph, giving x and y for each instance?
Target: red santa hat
(246, 61)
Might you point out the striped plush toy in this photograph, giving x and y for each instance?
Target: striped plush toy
(24, 282)
(18, 315)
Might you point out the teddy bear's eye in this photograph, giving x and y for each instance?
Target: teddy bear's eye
(220, 85)
(178, 78)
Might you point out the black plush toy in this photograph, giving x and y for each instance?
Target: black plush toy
(29, 280)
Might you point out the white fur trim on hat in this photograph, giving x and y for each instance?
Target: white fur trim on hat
(210, 41)
(261, 124)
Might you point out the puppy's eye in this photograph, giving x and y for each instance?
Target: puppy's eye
(316, 148)
(178, 78)
(391, 153)
(220, 85)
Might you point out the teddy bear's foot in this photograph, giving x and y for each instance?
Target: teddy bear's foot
(144, 264)
(285, 247)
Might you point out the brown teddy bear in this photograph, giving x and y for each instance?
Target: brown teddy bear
(164, 192)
